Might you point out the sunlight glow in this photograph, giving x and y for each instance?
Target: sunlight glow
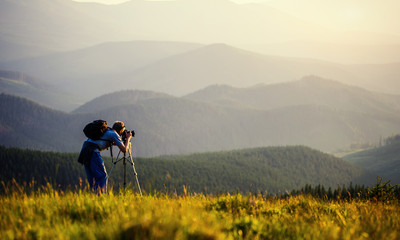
(352, 14)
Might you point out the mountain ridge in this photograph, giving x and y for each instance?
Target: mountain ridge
(307, 90)
(171, 125)
(26, 86)
(126, 97)
(87, 24)
(179, 68)
(86, 71)
(184, 73)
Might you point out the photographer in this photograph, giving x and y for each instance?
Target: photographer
(90, 154)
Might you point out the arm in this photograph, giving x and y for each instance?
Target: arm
(125, 146)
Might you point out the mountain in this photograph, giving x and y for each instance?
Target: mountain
(127, 97)
(23, 85)
(90, 71)
(178, 69)
(171, 125)
(26, 124)
(65, 24)
(377, 77)
(222, 64)
(11, 51)
(310, 90)
(46, 26)
(345, 53)
(384, 161)
(268, 169)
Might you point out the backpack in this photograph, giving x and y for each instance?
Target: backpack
(95, 129)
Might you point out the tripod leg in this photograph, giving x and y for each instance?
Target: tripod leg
(124, 170)
(112, 169)
(137, 180)
(134, 170)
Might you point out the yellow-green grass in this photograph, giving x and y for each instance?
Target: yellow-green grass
(50, 214)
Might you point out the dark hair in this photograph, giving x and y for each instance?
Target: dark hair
(118, 126)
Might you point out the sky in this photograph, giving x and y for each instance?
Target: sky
(349, 15)
(121, 1)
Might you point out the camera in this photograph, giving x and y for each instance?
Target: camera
(125, 132)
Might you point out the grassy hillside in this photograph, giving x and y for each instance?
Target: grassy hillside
(49, 214)
(384, 161)
(82, 215)
(273, 169)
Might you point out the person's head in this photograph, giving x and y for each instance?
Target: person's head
(119, 127)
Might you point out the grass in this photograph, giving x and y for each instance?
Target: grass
(81, 214)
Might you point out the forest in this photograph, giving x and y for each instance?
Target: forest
(268, 170)
(383, 160)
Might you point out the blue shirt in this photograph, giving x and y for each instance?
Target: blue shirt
(109, 138)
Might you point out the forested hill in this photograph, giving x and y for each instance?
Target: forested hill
(384, 160)
(26, 124)
(269, 169)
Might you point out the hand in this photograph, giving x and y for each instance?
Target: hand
(128, 134)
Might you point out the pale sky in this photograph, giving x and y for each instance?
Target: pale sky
(121, 1)
(348, 15)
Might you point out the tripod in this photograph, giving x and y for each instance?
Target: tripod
(125, 159)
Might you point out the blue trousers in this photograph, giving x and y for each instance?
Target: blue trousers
(96, 173)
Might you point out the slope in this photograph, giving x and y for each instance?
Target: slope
(384, 161)
(23, 85)
(310, 90)
(122, 98)
(181, 68)
(26, 124)
(90, 71)
(223, 64)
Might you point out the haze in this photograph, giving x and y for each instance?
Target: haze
(63, 54)
(353, 15)
(254, 42)
(334, 30)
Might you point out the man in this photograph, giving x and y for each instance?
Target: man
(90, 154)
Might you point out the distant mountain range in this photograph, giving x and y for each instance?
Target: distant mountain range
(91, 72)
(182, 68)
(310, 90)
(145, 45)
(331, 117)
(32, 28)
(345, 53)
